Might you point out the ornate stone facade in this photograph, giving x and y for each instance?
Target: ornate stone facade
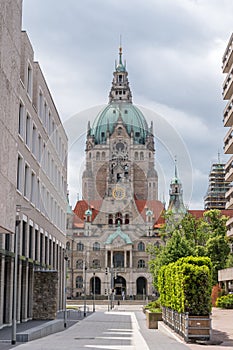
(118, 216)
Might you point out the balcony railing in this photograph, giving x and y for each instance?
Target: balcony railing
(228, 142)
(228, 113)
(228, 56)
(228, 86)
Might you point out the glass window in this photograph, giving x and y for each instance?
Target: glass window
(79, 264)
(79, 282)
(21, 120)
(80, 247)
(28, 131)
(34, 140)
(141, 263)
(20, 174)
(26, 182)
(29, 80)
(141, 247)
(96, 246)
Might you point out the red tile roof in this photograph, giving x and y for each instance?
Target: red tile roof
(82, 206)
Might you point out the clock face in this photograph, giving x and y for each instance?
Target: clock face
(118, 193)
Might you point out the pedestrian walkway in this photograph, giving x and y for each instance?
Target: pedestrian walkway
(124, 328)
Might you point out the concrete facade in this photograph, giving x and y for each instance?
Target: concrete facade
(10, 32)
(33, 170)
(227, 67)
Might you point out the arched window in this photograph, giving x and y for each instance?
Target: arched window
(95, 263)
(80, 247)
(103, 155)
(141, 263)
(136, 155)
(157, 244)
(79, 264)
(90, 155)
(110, 219)
(119, 130)
(68, 245)
(79, 282)
(96, 246)
(141, 247)
(141, 156)
(126, 219)
(118, 218)
(98, 156)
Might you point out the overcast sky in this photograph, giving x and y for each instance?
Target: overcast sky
(173, 50)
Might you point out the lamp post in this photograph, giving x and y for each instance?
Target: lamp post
(65, 290)
(85, 296)
(93, 291)
(14, 308)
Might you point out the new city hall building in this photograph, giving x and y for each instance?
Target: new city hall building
(118, 217)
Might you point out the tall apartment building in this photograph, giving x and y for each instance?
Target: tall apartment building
(227, 68)
(215, 197)
(33, 170)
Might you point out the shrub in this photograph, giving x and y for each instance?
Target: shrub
(225, 302)
(185, 286)
(153, 306)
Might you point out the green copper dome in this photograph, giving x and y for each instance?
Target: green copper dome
(132, 119)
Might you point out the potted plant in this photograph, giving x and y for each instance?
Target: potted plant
(153, 314)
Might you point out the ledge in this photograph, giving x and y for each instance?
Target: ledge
(40, 331)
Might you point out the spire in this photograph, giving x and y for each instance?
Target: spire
(120, 53)
(120, 91)
(176, 204)
(176, 176)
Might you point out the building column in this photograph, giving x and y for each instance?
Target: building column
(125, 258)
(106, 258)
(111, 258)
(24, 291)
(131, 258)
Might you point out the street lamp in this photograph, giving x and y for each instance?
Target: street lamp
(93, 291)
(85, 296)
(14, 309)
(65, 290)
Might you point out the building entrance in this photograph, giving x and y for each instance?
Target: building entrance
(141, 286)
(120, 285)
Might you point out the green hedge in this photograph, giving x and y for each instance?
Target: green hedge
(225, 302)
(185, 286)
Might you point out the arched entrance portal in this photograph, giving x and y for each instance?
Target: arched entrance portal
(141, 286)
(95, 285)
(120, 285)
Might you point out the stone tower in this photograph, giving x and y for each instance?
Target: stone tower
(120, 148)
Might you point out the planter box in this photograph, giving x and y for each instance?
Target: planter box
(190, 327)
(152, 319)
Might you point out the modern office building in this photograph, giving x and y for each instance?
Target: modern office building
(227, 68)
(117, 218)
(215, 197)
(33, 172)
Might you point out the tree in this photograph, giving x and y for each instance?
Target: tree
(217, 249)
(177, 247)
(205, 236)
